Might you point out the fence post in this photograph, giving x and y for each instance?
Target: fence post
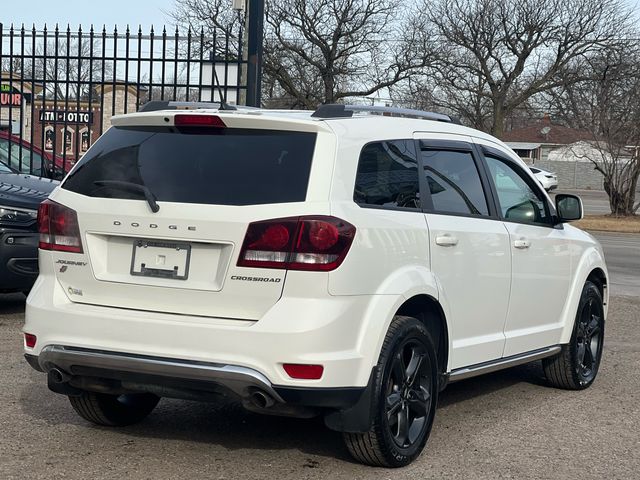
(255, 32)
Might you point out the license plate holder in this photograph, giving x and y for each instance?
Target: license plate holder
(160, 259)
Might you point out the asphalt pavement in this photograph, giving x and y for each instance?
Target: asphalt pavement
(503, 425)
(622, 254)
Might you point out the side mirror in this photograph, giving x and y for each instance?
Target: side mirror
(569, 207)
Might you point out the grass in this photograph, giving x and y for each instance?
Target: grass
(608, 223)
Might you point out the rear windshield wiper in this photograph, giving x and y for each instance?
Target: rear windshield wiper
(132, 187)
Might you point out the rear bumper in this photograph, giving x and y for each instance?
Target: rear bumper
(18, 259)
(72, 370)
(329, 331)
(85, 362)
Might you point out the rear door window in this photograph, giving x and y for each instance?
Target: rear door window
(454, 182)
(204, 166)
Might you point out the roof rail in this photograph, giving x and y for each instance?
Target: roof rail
(155, 105)
(346, 111)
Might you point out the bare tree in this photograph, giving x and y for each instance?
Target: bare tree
(215, 19)
(67, 69)
(497, 54)
(609, 107)
(323, 51)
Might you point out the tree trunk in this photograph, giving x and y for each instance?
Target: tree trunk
(497, 129)
(621, 202)
(329, 87)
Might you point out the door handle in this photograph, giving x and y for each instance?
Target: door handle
(446, 240)
(522, 243)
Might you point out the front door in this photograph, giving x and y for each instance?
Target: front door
(540, 258)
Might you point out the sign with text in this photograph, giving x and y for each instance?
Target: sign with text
(10, 96)
(62, 116)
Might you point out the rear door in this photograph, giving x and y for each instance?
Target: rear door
(209, 185)
(469, 247)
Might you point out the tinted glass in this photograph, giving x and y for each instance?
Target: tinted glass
(519, 202)
(14, 160)
(388, 175)
(454, 182)
(222, 167)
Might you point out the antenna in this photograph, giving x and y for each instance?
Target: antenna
(223, 104)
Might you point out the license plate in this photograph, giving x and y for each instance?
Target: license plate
(152, 258)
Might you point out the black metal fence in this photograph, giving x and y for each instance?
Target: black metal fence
(60, 88)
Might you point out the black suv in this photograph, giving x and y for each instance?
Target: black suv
(20, 196)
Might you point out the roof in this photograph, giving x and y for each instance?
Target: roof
(360, 124)
(523, 145)
(361, 127)
(545, 132)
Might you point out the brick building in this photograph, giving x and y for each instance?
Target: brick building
(66, 128)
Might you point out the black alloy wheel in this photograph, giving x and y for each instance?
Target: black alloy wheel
(589, 340)
(409, 393)
(406, 393)
(577, 364)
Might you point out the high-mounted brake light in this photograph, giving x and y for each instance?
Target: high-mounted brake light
(193, 120)
(312, 243)
(58, 228)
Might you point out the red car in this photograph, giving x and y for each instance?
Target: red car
(45, 164)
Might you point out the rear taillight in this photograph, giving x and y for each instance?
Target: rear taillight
(58, 228)
(315, 243)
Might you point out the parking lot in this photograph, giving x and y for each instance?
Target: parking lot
(504, 425)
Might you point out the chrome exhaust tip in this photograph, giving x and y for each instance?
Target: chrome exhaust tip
(261, 399)
(58, 376)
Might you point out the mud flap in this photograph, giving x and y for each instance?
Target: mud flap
(357, 418)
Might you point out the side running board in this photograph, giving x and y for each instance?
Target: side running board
(501, 363)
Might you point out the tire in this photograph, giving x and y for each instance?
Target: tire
(577, 364)
(114, 410)
(405, 395)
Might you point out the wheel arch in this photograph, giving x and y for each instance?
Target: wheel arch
(598, 277)
(429, 311)
(590, 267)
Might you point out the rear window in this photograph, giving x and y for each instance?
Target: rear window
(221, 167)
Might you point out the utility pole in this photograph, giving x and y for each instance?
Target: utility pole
(255, 34)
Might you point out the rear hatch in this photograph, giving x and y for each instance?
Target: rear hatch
(209, 182)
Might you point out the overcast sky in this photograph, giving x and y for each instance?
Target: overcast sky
(85, 13)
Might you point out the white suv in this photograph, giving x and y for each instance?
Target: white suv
(346, 263)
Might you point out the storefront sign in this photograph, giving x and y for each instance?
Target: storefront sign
(10, 96)
(62, 116)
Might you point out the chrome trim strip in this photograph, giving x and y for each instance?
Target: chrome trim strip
(236, 378)
(501, 363)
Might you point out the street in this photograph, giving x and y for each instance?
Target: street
(622, 253)
(595, 202)
(504, 425)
